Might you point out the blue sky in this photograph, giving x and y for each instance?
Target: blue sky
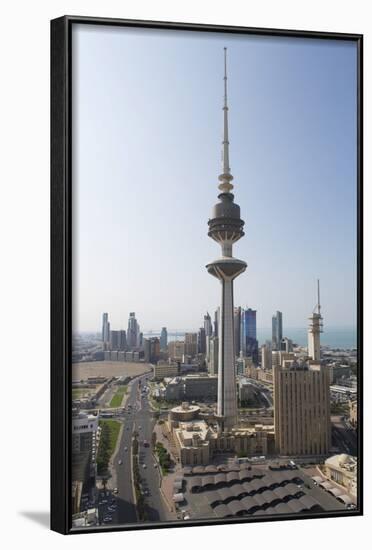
(147, 131)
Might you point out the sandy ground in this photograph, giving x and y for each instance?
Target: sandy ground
(82, 371)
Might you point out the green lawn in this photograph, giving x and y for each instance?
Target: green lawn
(118, 397)
(77, 393)
(109, 435)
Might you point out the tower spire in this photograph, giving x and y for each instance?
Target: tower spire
(225, 178)
(318, 297)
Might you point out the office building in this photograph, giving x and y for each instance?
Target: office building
(213, 356)
(114, 340)
(226, 228)
(133, 332)
(83, 448)
(202, 341)
(286, 345)
(208, 325)
(105, 330)
(191, 343)
(122, 340)
(151, 350)
(249, 343)
(277, 330)
(216, 322)
(266, 357)
(237, 330)
(164, 369)
(301, 409)
(176, 350)
(163, 339)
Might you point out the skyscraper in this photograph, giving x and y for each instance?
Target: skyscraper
(226, 227)
(114, 340)
(277, 330)
(208, 325)
(151, 350)
(105, 329)
(249, 343)
(133, 331)
(191, 343)
(201, 340)
(163, 339)
(122, 340)
(237, 330)
(315, 328)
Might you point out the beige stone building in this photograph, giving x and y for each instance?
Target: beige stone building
(302, 409)
(196, 442)
(353, 412)
(165, 369)
(176, 350)
(343, 470)
(191, 343)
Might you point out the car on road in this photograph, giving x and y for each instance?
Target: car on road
(120, 462)
(125, 448)
(107, 519)
(144, 466)
(155, 464)
(115, 491)
(104, 501)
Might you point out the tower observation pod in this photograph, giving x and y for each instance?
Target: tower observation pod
(226, 228)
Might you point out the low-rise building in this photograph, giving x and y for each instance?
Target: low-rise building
(165, 369)
(343, 470)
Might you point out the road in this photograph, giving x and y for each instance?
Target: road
(155, 506)
(344, 437)
(137, 418)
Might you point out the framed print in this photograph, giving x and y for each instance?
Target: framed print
(206, 275)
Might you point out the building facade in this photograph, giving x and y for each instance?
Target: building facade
(302, 409)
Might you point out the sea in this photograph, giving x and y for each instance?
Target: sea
(332, 337)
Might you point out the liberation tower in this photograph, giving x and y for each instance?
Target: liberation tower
(226, 227)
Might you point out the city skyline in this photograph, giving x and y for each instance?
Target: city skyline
(120, 201)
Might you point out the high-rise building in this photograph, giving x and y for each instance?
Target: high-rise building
(226, 227)
(216, 322)
(191, 343)
(133, 332)
(176, 350)
(315, 328)
(122, 340)
(249, 343)
(277, 330)
(301, 409)
(114, 340)
(208, 325)
(202, 344)
(237, 330)
(266, 357)
(83, 447)
(151, 350)
(105, 330)
(163, 339)
(213, 356)
(286, 345)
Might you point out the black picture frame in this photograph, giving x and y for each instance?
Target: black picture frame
(61, 269)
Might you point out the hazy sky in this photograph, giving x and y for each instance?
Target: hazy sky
(147, 131)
